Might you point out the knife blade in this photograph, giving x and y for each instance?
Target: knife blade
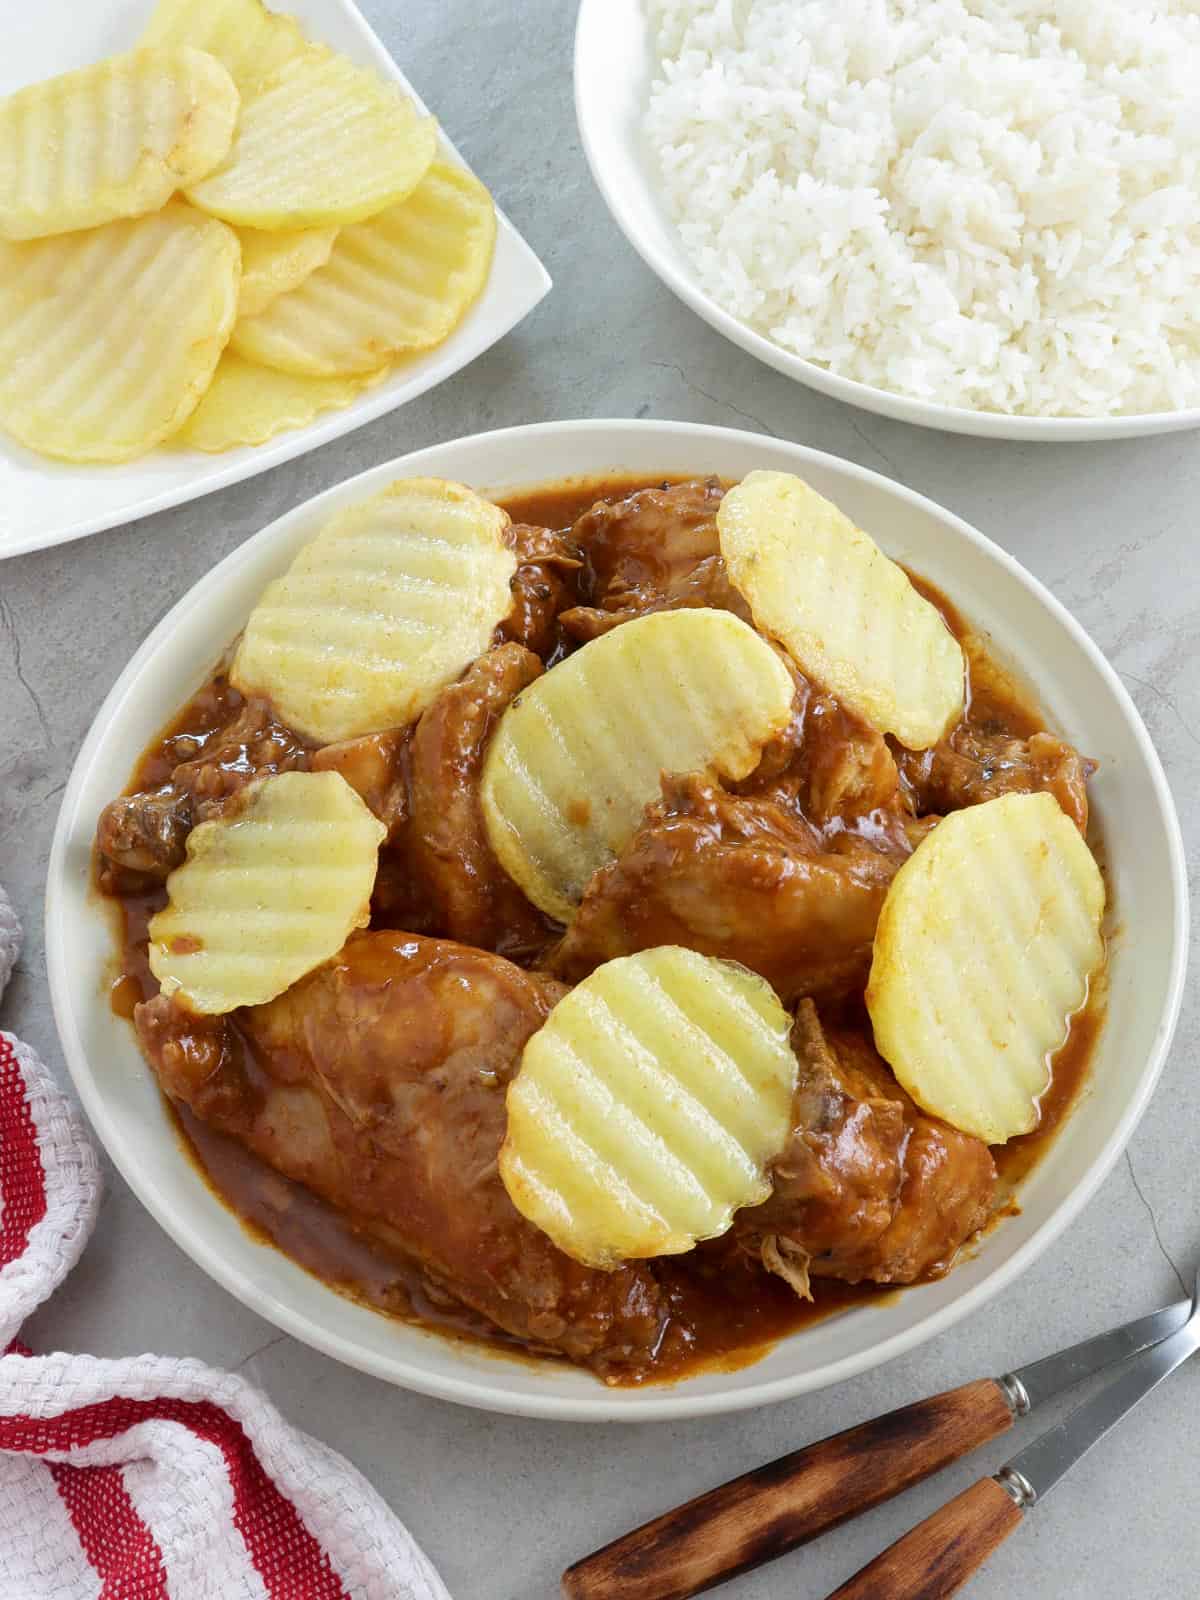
(1031, 1386)
(1032, 1473)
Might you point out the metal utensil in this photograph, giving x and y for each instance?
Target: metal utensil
(788, 1502)
(938, 1556)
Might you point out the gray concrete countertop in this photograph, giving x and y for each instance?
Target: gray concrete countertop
(502, 1504)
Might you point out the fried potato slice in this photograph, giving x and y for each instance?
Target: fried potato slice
(648, 1106)
(250, 41)
(388, 604)
(398, 283)
(108, 338)
(985, 947)
(269, 891)
(577, 757)
(112, 140)
(848, 616)
(320, 142)
(274, 262)
(249, 404)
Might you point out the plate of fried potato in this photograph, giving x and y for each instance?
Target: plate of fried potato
(228, 234)
(989, 935)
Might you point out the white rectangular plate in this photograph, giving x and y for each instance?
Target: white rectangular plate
(44, 502)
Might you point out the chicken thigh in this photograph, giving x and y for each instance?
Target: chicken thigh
(379, 1082)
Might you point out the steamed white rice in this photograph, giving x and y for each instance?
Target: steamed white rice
(982, 203)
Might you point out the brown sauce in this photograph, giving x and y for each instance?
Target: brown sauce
(726, 1331)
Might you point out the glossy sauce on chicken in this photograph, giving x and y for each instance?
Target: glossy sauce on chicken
(355, 1120)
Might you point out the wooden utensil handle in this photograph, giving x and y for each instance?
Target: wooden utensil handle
(786, 1503)
(940, 1554)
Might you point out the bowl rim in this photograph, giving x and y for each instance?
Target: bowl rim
(595, 15)
(655, 1403)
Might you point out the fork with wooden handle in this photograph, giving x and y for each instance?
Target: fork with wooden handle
(788, 1502)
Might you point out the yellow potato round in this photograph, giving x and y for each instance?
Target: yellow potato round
(399, 283)
(248, 404)
(320, 143)
(274, 262)
(269, 891)
(388, 604)
(577, 758)
(249, 40)
(109, 338)
(847, 616)
(648, 1106)
(986, 943)
(112, 140)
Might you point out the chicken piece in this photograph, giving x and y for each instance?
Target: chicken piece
(837, 1182)
(446, 847)
(141, 837)
(970, 766)
(379, 1082)
(253, 745)
(378, 767)
(827, 761)
(544, 584)
(868, 1186)
(375, 767)
(706, 585)
(655, 550)
(948, 1187)
(437, 872)
(649, 541)
(745, 879)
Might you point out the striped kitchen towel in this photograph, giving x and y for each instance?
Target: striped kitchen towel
(151, 1477)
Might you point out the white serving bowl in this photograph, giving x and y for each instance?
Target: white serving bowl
(1082, 697)
(614, 64)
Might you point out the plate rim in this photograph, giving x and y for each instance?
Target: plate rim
(656, 1403)
(331, 425)
(592, 16)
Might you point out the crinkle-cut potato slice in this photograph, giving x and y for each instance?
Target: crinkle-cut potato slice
(848, 616)
(577, 757)
(249, 404)
(320, 142)
(274, 262)
(250, 41)
(398, 283)
(111, 140)
(269, 891)
(648, 1106)
(388, 604)
(108, 338)
(986, 944)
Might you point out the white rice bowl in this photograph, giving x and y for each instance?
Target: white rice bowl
(986, 204)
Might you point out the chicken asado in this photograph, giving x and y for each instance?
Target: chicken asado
(375, 1086)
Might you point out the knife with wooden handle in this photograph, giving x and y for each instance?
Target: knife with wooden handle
(788, 1502)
